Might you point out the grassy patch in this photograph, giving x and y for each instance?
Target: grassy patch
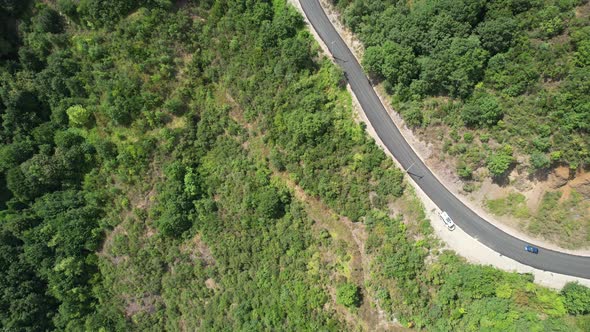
(564, 221)
(514, 204)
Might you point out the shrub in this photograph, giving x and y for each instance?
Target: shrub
(539, 160)
(348, 295)
(576, 298)
(499, 162)
(483, 110)
(78, 115)
(413, 117)
(464, 171)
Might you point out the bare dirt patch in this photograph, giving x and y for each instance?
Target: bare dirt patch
(211, 284)
(198, 250)
(583, 11)
(146, 304)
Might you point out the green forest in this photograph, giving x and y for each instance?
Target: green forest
(192, 165)
(509, 77)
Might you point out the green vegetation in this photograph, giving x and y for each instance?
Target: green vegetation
(448, 294)
(576, 298)
(514, 71)
(563, 220)
(157, 163)
(348, 295)
(514, 204)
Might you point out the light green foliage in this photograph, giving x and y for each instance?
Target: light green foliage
(550, 302)
(468, 137)
(563, 220)
(500, 161)
(504, 291)
(514, 204)
(464, 171)
(550, 21)
(539, 161)
(348, 295)
(191, 185)
(78, 115)
(582, 53)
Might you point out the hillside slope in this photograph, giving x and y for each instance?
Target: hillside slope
(182, 166)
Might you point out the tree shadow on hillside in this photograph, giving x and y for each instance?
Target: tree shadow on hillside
(503, 180)
(540, 174)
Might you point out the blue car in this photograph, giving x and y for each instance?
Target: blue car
(532, 249)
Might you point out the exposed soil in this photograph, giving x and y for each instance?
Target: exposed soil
(583, 11)
(146, 304)
(199, 251)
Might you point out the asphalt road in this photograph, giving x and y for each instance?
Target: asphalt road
(469, 221)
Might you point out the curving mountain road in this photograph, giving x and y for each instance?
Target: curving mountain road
(469, 221)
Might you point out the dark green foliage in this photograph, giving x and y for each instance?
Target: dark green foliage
(413, 115)
(482, 110)
(48, 20)
(23, 112)
(512, 76)
(68, 8)
(455, 67)
(24, 304)
(10, 12)
(576, 298)
(123, 100)
(497, 35)
(391, 61)
(98, 13)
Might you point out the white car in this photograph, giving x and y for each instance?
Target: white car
(447, 220)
